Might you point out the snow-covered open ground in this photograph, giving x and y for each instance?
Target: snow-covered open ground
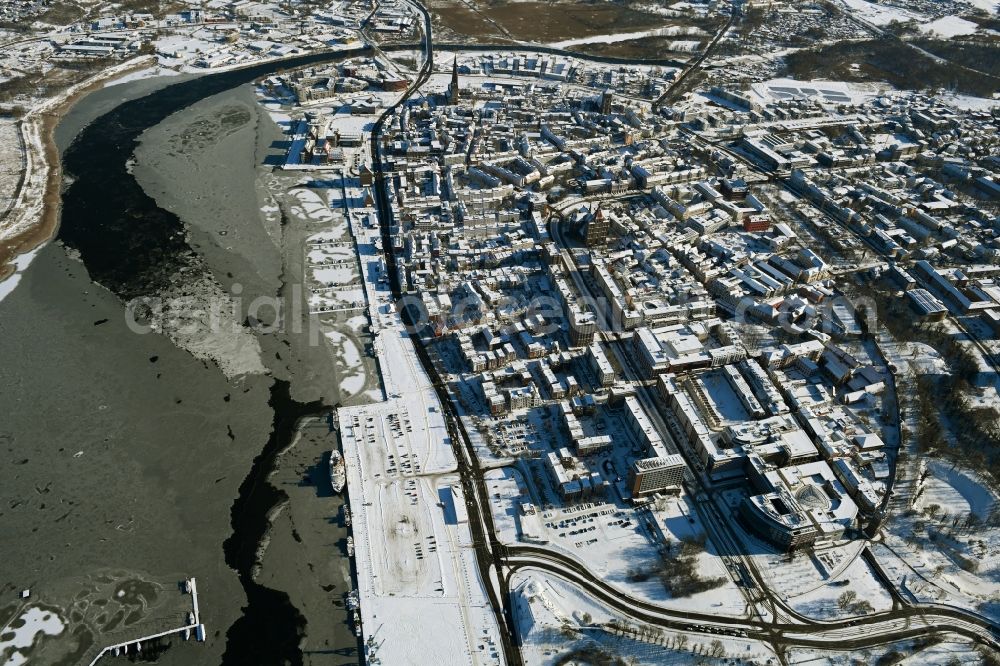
(955, 490)
(555, 618)
(952, 650)
(877, 14)
(949, 26)
(992, 6)
(669, 31)
(147, 73)
(857, 578)
(940, 551)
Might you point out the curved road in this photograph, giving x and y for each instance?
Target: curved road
(498, 562)
(866, 631)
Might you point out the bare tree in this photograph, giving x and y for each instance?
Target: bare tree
(845, 600)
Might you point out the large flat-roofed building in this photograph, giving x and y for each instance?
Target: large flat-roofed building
(720, 462)
(588, 446)
(600, 364)
(640, 427)
(653, 475)
(956, 286)
(582, 323)
(572, 477)
(582, 328)
(681, 347)
(927, 305)
(777, 438)
(798, 505)
(775, 517)
(786, 354)
(763, 152)
(522, 397)
(653, 358)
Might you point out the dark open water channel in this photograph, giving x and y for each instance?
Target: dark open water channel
(132, 247)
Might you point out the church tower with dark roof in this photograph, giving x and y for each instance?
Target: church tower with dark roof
(453, 86)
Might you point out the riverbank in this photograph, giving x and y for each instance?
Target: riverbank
(34, 215)
(154, 459)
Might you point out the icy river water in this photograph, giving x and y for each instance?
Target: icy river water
(129, 458)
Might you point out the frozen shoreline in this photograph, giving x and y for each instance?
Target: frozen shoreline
(34, 216)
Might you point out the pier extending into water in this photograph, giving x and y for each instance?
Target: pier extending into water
(148, 631)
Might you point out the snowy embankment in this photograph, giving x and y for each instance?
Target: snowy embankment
(34, 213)
(669, 31)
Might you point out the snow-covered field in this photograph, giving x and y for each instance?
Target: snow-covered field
(878, 14)
(856, 578)
(949, 26)
(685, 45)
(147, 73)
(345, 122)
(959, 492)
(670, 31)
(942, 550)
(185, 46)
(554, 618)
(992, 6)
(952, 650)
(914, 357)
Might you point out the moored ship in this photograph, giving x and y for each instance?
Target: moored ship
(338, 475)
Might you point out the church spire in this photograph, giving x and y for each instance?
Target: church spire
(453, 88)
